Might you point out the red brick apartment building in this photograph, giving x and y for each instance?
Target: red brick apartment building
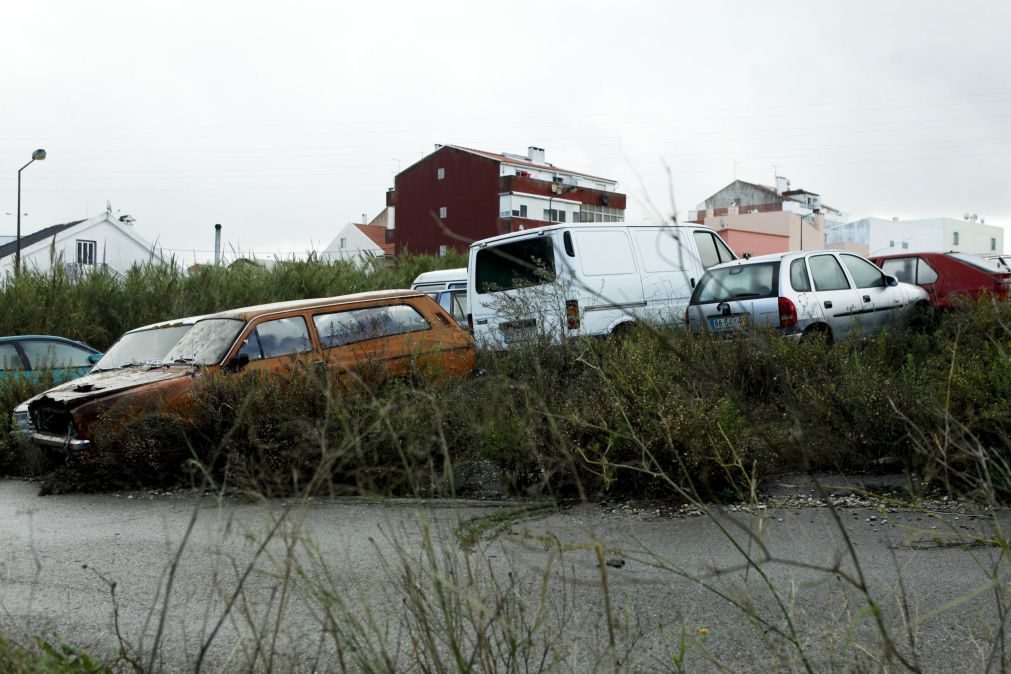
(457, 195)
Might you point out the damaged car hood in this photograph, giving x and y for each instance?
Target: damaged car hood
(107, 382)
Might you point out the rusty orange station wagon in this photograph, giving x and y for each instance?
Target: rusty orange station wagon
(397, 332)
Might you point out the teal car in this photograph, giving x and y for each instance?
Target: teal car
(26, 355)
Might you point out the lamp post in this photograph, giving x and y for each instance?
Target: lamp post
(38, 155)
(570, 188)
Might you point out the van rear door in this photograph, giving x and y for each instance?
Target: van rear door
(512, 290)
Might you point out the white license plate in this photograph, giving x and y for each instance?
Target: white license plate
(729, 322)
(518, 335)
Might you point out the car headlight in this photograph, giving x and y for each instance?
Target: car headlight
(21, 421)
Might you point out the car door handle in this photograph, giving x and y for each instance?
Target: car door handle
(867, 298)
(828, 304)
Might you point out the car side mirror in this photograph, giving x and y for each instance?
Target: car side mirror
(891, 280)
(236, 363)
(95, 357)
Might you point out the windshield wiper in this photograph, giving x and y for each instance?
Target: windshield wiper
(742, 296)
(183, 360)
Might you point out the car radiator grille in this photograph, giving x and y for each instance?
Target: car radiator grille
(50, 420)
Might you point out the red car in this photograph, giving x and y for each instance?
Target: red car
(947, 275)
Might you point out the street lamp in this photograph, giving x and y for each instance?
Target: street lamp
(570, 188)
(38, 155)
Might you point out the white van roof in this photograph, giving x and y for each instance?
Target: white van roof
(540, 231)
(441, 276)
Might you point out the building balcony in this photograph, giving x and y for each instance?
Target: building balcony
(548, 189)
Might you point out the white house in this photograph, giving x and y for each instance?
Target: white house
(881, 236)
(359, 243)
(102, 241)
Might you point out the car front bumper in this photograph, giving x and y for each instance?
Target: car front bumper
(60, 442)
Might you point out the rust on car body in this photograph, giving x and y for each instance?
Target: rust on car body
(404, 332)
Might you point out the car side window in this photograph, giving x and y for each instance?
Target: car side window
(10, 359)
(798, 276)
(924, 272)
(864, 274)
(279, 337)
(453, 302)
(42, 354)
(903, 269)
(827, 273)
(357, 325)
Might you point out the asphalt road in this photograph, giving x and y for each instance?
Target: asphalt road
(370, 571)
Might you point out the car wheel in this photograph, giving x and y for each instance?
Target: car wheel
(817, 333)
(922, 317)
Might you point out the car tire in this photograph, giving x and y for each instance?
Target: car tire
(817, 332)
(922, 317)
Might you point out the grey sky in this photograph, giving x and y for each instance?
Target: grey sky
(284, 121)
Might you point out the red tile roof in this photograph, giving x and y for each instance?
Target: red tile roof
(377, 234)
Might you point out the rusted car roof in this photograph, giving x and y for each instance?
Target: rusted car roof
(245, 313)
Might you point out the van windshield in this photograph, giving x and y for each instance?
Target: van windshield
(740, 282)
(517, 264)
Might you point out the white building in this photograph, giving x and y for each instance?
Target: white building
(881, 236)
(358, 243)
(83, 245)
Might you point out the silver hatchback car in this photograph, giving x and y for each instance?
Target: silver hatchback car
(826, 292)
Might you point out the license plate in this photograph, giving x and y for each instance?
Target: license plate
(729, 322)
(518, 335)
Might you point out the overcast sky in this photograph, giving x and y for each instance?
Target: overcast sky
(285, 120)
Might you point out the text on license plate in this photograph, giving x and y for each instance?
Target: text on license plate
(729, 322)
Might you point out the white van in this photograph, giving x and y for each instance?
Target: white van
(448, 287)
(586, 278)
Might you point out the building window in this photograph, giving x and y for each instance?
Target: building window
(442, 250)
(442, 211)
(955, 239)
(593, 213)
(86, 252)
(442, 173)
(344, 242)
(523, 210)
(891, 244)
(905, 245)
(561, 216)
(993, 244)
(515, 212)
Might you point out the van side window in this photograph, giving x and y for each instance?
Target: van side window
(723, 250)
(708, 252)
(798, 276)
(280, 337)
(358, 325)
(827, 273)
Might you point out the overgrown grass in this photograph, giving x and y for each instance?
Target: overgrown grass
(605, 416)
(98, 307)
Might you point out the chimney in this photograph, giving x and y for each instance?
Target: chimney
(217, 245)
(535, 154)
(782, 185)
(365, 218)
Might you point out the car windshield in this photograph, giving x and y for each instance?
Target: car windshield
(206, 342)
(739, 282)
(142, 347)
(991, 266)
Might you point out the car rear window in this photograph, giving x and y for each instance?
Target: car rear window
(980, 263)
(740, 282)
(516, 264)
